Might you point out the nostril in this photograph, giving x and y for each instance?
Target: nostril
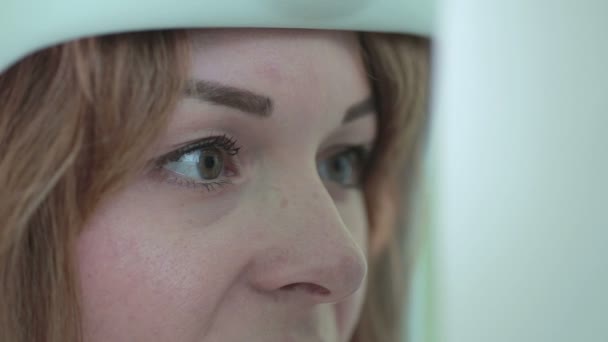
(308, 287)
(316, 289)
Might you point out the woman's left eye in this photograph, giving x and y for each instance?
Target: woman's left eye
(345, 168)
(208, 163)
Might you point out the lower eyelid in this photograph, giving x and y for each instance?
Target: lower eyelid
(165, 176)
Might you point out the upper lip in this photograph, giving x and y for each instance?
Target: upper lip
(321, 327)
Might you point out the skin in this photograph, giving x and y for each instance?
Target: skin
(277, 255)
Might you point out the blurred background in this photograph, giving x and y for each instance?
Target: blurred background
(512, 212)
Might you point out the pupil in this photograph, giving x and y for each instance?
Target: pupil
(209, 162)
(339, 164)
(339, 167)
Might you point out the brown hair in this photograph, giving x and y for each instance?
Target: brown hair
(68, 118)
(398, 67)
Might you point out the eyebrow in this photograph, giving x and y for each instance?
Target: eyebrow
(223, 95)
(256, 104)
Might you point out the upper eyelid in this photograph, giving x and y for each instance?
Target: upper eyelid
(197, 144)
(338, 149)
(180, 151)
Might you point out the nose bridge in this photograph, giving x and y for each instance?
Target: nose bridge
(311, 250)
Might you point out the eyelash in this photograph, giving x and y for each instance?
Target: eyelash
(225, 143)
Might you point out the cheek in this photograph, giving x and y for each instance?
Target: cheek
(143, 278)
(154, 268)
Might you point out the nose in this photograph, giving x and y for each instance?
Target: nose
(310, 254)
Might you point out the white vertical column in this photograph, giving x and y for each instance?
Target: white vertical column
(521, 141)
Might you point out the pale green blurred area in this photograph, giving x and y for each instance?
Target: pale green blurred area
(417, 320)
(517, 197)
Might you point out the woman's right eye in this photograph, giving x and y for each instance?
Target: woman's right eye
(208, 163)
(205, 164)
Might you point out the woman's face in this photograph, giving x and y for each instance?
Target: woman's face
(249, 224)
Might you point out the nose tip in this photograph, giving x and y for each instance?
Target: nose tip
(321, 277)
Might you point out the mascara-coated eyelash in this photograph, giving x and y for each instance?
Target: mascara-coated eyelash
(207, 163)
(225, 142)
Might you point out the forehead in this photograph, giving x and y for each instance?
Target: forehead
(271, 60)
